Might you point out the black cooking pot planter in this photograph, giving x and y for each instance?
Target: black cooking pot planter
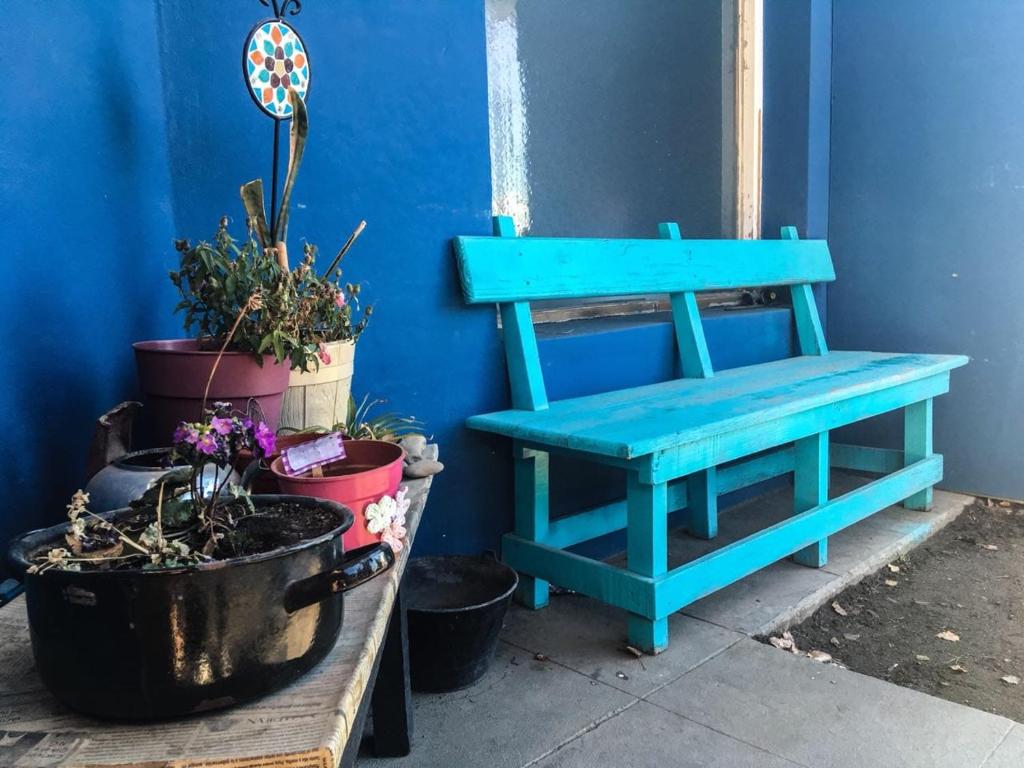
(168, 642)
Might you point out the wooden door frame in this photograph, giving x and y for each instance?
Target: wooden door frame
(745, 162)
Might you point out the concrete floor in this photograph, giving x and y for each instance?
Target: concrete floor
(715, 697)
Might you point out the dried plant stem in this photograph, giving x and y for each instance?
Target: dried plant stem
(160, 518)
(348, 244)
(126, 539)
(252, 303)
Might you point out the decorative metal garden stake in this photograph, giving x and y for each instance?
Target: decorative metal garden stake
(275, 61)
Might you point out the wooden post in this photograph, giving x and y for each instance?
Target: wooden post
(810, 490)
(521, 353)
(392, 693)
(694, 363)
(917, 445)
(531, 516)
(647, 552)
(809, 333)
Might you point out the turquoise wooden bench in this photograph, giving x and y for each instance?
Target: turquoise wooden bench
(685, 442)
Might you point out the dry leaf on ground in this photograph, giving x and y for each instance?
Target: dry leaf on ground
(820, 656)
(893, 568)
(784, 642)
(946, 634)
(958, 667)
(839, 609)
(922, 657)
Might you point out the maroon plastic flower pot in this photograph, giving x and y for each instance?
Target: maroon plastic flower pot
(173, 375)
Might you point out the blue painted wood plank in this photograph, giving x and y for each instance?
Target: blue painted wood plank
(809, 333)
(810, 490)
(611, 585)
(522, 356)
(715, 450)
(647, 518)
(608, 518)
(917, 445)
(701, 490)
(647, 553)
(865, 459)
(498, 269)
(692, 347)
(656, 417)
(699, 578)
(530, 472)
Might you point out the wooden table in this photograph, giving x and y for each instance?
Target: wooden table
(315, 723)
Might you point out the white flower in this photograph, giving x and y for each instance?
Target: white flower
(387, 517)
(380, 515)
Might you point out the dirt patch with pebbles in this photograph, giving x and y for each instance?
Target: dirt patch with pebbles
(947, 619)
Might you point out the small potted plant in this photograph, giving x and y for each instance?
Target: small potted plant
(242, 302)
(183, 602)
(240, 305)
(331, 322)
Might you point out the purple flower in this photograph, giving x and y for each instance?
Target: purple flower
(221, 426)
(186, 433)
(264, 438)
(207, 444)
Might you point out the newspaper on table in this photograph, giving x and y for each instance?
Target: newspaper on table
(306, 725)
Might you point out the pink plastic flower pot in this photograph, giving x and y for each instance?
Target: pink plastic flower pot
(173, 375)
(371, 469)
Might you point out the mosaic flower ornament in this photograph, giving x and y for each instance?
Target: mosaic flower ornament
(387, 518)
(276, 62)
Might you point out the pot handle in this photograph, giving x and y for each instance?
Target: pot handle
(359, 565)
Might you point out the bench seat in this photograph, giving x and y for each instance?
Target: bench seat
(635, 422)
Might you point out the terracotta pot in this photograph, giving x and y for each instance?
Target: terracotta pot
(320, 398)
(173, 375)
(371, 469)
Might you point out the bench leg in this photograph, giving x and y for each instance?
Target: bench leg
(531, 491)
(647, 553)
(917, 445)
(702, 504)
(810, 489)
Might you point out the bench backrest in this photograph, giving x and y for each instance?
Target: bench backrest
(515, 271)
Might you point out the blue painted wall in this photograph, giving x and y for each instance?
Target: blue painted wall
(84, 187)
(96, 182)
(927, 196)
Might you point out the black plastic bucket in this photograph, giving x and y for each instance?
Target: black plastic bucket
(456, 607)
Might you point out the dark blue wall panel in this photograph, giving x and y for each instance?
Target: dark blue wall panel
(624, 104)
(927, 197)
